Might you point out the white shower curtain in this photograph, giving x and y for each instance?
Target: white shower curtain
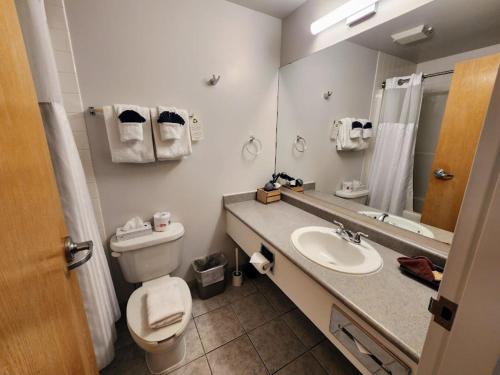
(97, 289)
(390, 180)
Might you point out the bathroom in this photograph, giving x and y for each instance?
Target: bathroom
(324, 268)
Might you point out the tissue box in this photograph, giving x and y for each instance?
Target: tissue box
(122, 235)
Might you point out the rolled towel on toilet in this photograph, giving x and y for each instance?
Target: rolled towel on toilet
(164, 304)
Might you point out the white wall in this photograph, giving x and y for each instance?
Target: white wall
(298, 41)
(433, 106)
(58, 28)
(162, 52)
(349, 71)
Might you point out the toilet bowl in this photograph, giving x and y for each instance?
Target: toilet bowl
(149, 259)
(165, 347)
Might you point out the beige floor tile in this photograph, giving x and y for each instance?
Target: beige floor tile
(304, 365)
(263, 283)
(197, 367)
(202, 306)
(276, 344)
(129, 360)
(238, 357)
(253, 311)
(332, 360)
(194, 349)
(218, 327)
(279, 300)
(234, 293)
(303, 328)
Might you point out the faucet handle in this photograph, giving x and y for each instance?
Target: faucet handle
(339, 224)
(358, 235)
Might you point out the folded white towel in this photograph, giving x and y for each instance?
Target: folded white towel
(356, 128)
(128, 152)
(131, 129)
(164, 304)
(344, 140)
(172, 128)
(367, 129)
(172, 149)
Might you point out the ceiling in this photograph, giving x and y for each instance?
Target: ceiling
(276, 8)
(459, 26)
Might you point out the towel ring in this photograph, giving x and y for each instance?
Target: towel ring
(257, 145)
(300, 144)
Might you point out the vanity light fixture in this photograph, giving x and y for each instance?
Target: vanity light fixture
(353, 12)
(412, 35)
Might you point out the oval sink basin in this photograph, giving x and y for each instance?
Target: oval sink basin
(400, 222)
(325, 247)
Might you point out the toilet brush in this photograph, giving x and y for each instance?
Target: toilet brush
(237, 275)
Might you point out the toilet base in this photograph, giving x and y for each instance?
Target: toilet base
(161, 362)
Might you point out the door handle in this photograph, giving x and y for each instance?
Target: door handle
(71, 248)
(441, 174)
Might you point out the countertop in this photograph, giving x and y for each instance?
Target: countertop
(392, 303)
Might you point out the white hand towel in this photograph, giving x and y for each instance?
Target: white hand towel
(128, 152)
(170, 129)
(131, 129)
(164, 304)
(367, 129)
(172, 149)
(344, 140)
(356, 129)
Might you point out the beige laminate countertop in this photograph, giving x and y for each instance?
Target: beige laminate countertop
(392, 303)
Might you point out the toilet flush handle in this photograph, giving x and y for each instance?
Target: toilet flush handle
(114, 254)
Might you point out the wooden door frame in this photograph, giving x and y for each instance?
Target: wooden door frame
(466, 246)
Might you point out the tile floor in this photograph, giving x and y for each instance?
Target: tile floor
(254, 329)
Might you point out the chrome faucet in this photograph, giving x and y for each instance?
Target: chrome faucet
(347, 234)
(382, 217)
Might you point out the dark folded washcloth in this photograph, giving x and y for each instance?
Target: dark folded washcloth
(420, 266)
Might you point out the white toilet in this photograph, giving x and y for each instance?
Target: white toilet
(149, 259)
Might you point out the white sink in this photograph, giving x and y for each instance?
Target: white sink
(401, 222)
(325, 247)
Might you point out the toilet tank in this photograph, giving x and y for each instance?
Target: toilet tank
(151, 256)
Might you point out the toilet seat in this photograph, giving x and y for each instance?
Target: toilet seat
(137, 320)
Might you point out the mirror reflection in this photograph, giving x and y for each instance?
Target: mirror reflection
(382, 123)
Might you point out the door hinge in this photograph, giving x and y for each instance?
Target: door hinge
(444, 311)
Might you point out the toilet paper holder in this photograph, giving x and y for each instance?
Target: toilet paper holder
(268, 255)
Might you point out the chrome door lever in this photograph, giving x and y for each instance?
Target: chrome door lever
(441, 174)
(71, 248)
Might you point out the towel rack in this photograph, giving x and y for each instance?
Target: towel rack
(300, 144)
(258, 146)
(93, 111)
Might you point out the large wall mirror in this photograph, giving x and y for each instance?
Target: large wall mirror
(384, 127)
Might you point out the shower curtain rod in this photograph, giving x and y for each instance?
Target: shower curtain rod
(430, 75)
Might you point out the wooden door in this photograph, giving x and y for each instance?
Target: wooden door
(43, 328)
(466, 108)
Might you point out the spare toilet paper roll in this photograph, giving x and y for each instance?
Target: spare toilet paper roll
(161, 221)
(261, 263)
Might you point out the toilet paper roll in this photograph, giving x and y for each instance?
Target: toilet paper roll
(260, 263)
(161, 221)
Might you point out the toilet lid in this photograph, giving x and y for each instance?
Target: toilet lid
(137, 318)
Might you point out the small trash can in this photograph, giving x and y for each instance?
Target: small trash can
(210, 272)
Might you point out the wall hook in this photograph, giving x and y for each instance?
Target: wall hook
(327, 94)
(214, 80)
